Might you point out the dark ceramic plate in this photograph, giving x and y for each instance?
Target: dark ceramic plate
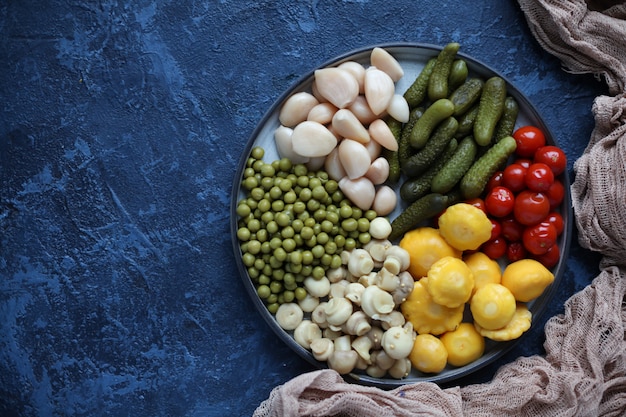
(412, 57)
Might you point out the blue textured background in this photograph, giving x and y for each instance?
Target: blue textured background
(120, 129)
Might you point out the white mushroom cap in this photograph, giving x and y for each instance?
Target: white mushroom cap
(289, 316)
(398, 341)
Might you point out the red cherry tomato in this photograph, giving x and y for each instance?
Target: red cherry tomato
(496, 229)
(494, 181)
(556, 194)
(552, 156)
(515, 251)
(551, 257)
(499, 201)
(495, 248)
(539, 177)
(511, 229)
(531, 207)
(529, 139)
(514, 177)
(539, 238)
(557, 221)
(525, 162)
(477, 202)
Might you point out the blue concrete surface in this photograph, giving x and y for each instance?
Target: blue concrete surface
(121, 126)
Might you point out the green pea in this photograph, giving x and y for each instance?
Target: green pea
(326, 259)
(262, 235)
(318, 272)
(267, 183)
(295, 257)
(336, 262)
(349, 225)
(297, 225)
(276, 287)
(243, 233)
(363, 225)
(350, 244)
(258, 165)
(271, 227)
(253, 272)
(243, 209)
(345, 211)
(257, 152)
(289, 295)
(300, 293)
(322, 238)
(248, 259)
(307, 232)
(317, 251)
(289, 245)
(263, 291)
(257, 194)
(273, 307)
(290, 197)
(280, 254)
(250, 183)
(267, 170)
(254, 247)
(265, 247)
(278, 205)
(313, 205)
(273, 298)
(307, 257)
(299, 207)
(365, 238)
(287, 232)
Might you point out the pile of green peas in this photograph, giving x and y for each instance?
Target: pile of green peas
(293, 223)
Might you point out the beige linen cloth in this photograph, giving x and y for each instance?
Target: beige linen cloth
(584, 370)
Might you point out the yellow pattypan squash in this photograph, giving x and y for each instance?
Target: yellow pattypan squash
(464, 226)
(425, 246)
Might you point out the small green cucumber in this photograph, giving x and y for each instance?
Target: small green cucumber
(466, 95)
(419, 162)
(417, 91)
(454, 169)
(506, 124)
(420, 210)
(466, 122)
(433, 115)
(490, 110)
(414, 188)
(475, 179)
(392, 156)
(458, 74)
(438, 82)
(405, 150)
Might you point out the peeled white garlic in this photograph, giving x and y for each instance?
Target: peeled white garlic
(346, 124)
(381, 133)
(354, 158)
(284, 145)
(399, 108)
(312, 139)
(296, 108)
(379, 89)
(384, 61)
(360, 191)
(337, 85)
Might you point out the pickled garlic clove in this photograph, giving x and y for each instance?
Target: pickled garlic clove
(322, 113)
(312, 139)
(284, 145)
(338, 86)
(384, 61)
(296, 108)
(360, 191)
(362, 110)
(354, 158)
(378, 172)
(399, 108)
(357, 70)
(347, 125)
(381, 133)
(379, 89)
